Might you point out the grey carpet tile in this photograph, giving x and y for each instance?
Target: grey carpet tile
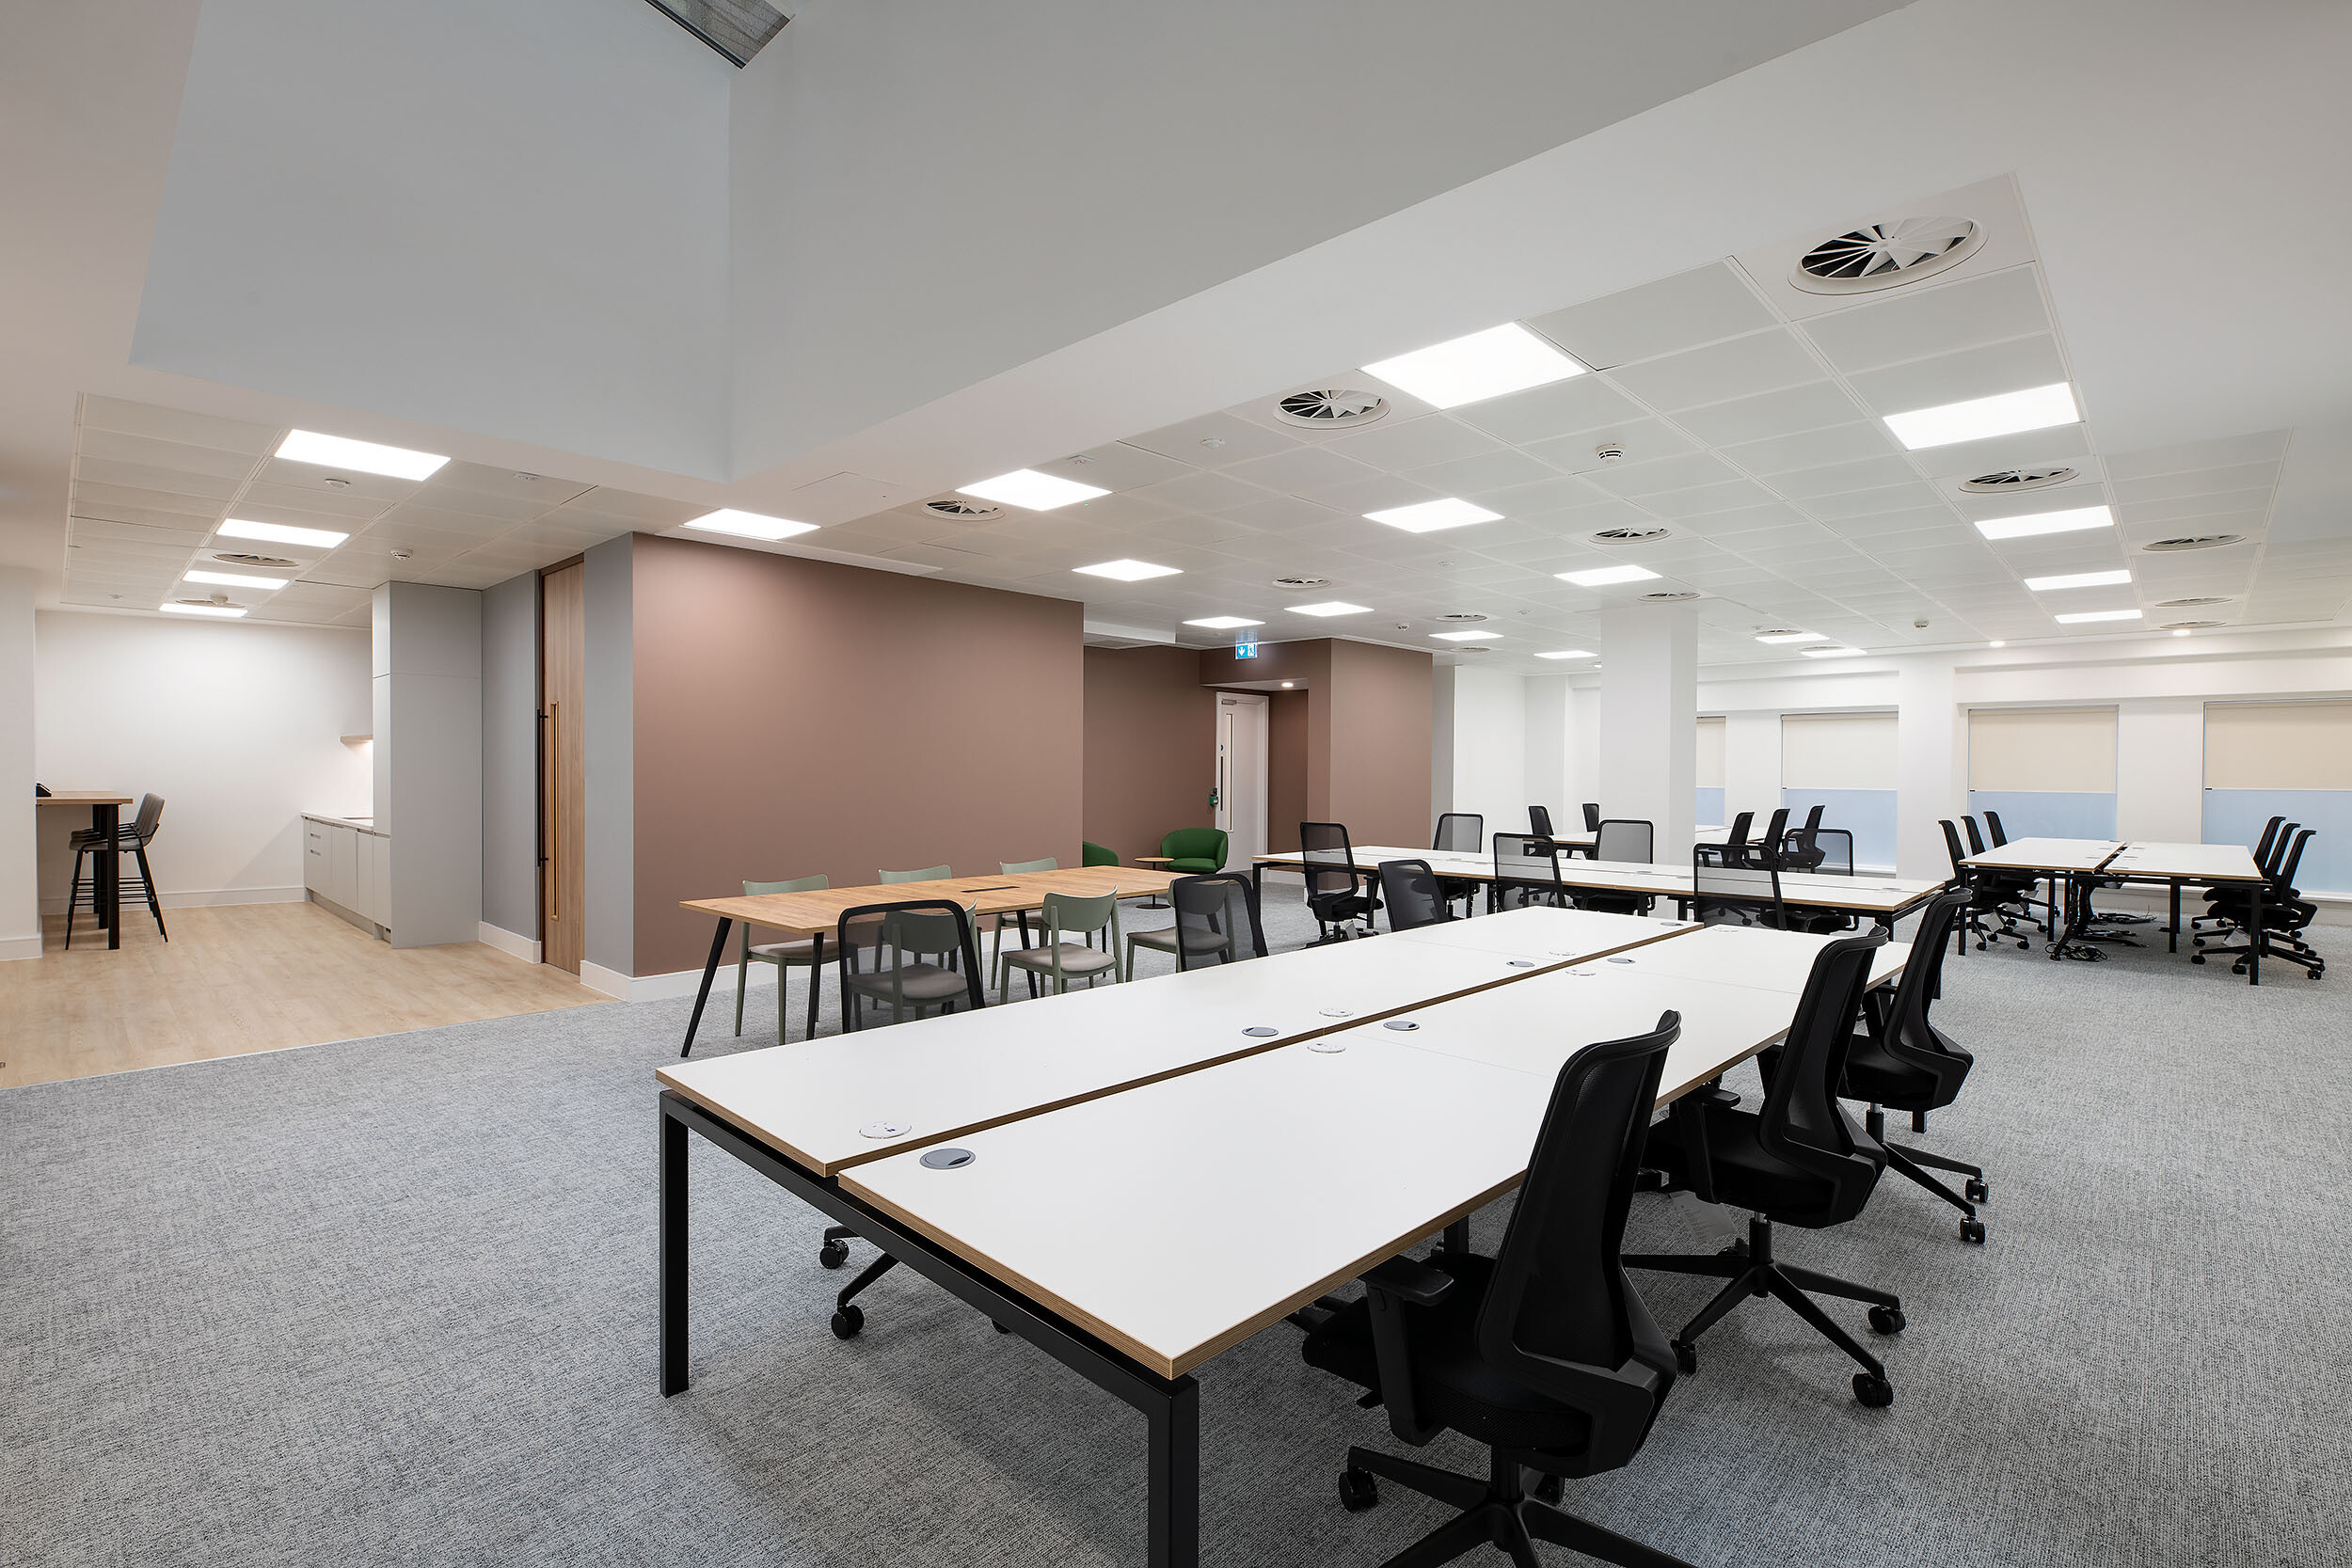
(391, 1301)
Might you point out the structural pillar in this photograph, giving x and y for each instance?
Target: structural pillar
(1649, 713)
(1931, 773)
(20, 890)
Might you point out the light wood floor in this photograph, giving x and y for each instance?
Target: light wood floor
(247, 977)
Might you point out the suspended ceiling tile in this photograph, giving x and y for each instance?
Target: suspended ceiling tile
(1780, 454)
(1916, 322)
(1234, 440)
(1677, 312)
(1300, 469)
(1780, 413)
(1738, 367)
(172, 424)
(1396, 445)
(1869, 473)
(1639, 441)
(2267, 446)
(1564, 407)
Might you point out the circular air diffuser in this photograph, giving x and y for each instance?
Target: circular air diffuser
(1631, 535)
(2195, 542)
(964, 509)
(1302, 582)
(1887, 254)
(236, 558)
(1462, 615)
(1670, 598)
(1330, 408)
(2009, 480)
(2196, 602)
(2192, 625)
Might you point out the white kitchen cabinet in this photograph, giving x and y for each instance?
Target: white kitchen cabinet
(342, 864)
(348, 867)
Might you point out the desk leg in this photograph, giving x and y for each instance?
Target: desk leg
(673, 1246)
(107, 874)
(717, 951)
(1175, 1476)
(2254, 938)
(2172, 941)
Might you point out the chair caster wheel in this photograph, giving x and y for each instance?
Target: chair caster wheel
(1887, 1320)
(1972, 1231)
(1358, 1491)
(1686, 1357)
(1977, 1192)
(2196, 957)
(847, 1321)
(832, 1255)
(1873, 1391)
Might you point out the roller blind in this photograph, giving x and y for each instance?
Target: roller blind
(1710, 753)
(1837, 751)
(2278, 745)
(2067, 750)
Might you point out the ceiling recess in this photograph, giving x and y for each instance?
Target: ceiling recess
(1887, 254)
(2192, 625)
(1670, 598)
(1462, 615)
(2198, 602)
(234, 558)
(2196, 542)
(1630, 535)
(1302, 582)
(1330, 408)
(2009, 480)
(962, 509)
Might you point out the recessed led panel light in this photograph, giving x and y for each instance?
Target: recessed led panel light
(1835, 652)
(1780, 637)
(1126, 570)
(1330, 607)
(282, 533)
(1429, 516)
(749, 525)
(1978, 419)
(1601, 577)
(1466, 636)
(1225, 623)
(1569, 653)
(2077, 580)
(2080, 616)
(1032, 491)
(336, 452)
(1505, 358)
(236, 579)
(2072, 520)
(226, 611)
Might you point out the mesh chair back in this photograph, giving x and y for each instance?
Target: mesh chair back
(1527, 866)
(1539, 821)
(1975, 839)
(1330, 860)
(1775, 833)
(1411, 890)
(1622, 838)
(1738, 837)
(1462, 831)
(2282, 884)
(151, 813)
(2270, 836)
(1801, 1122)
(2279, 851)
(1952, 848)
(1591, 816)
(1836, 847)
(1739, 891)
(1992, 829)
(1799, 851)
(1560, 1314)
(928, 873)
(1216, 920)
(1912, 1034)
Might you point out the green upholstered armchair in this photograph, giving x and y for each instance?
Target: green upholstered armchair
(1094, 854)
(1195, 851)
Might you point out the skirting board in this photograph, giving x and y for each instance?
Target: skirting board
(661, 988)
(200, 898)
(18, 948)
(523, 947)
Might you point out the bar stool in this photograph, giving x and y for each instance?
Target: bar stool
(136, 838)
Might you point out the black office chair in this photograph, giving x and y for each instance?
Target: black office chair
(1217, 923)
(1539, 821)
(1991, 896)
(1619, 838)
(1837, 847)
(1735, 844)
(924, 929)
(131, 837)
(1413, 894)
(2268, 851)
(1799, 1159)
(1543, 1352)
(2277, 932)
(1462, 832)
(1335, 891)
(1527, 871)
(1591, 816)
(1901, 1062)
(1735, 893)
(1798, 849)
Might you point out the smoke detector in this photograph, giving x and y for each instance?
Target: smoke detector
(2192, 625)
(1630, 535)
(2009, 480)
(403, 555)
(1609, 451)
(1670, 598)
(336, 483)
(1887, 254)
(962, 509)
(1330, 408)
(2196, 542)
(238, 558)
(1302, 582)
(2194, 602)
(1463, 615)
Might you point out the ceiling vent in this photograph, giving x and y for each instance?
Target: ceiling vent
(1463, 615)
(1630, 535)
(2009, 480)
(1887, 254)
(1781, 631)
(1474, 648)
(2196, 542)
(1330, 408)
(1302, 582)
(964, 509)
(2198, 602)
(1670, 598)
(236, 558)
(2192, 625)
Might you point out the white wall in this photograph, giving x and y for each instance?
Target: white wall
(1490, 748)
(237, 724)
(20, 911)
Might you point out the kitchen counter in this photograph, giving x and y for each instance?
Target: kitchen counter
(346, 867)
(364, 824)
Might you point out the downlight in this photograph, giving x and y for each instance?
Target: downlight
(236, 558)
(964, 509)
(2010, 481)
(1330, 408)
(2195, 542)
(1630, 535)
(1887, 254)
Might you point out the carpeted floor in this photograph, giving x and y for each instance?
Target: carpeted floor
(391, 1302)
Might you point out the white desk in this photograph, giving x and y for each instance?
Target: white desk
(2081, 863)
(1745, 955)
(1546, 934)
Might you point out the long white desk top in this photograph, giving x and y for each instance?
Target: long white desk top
(1547, 934)
(1745, 955)
(2195, 862)
(2047, 854)
(1176, 1220)
(826, 1102)
(1866, 894)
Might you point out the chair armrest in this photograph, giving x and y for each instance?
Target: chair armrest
(1388, 1289)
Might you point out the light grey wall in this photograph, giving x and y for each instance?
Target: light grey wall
(612, 766)
(428, 758)
(509, 755)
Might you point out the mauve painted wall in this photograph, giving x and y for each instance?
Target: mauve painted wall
(795, 717)
(1151, 747)
(1380, 705)
(1286, 769)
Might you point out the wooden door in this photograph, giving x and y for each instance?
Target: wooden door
(562, 766)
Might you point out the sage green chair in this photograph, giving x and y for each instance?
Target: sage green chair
(996, 921)
(1094, 854)
(928, 873)
(1195, 851)
(912, 979)
(807, 953)
(1067, 915)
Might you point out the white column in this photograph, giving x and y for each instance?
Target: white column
(19, 891)
(1442, 763)
(1931, 777)
(428, 758)
(2160, 769)
(1547, 769)
(1650, 712)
